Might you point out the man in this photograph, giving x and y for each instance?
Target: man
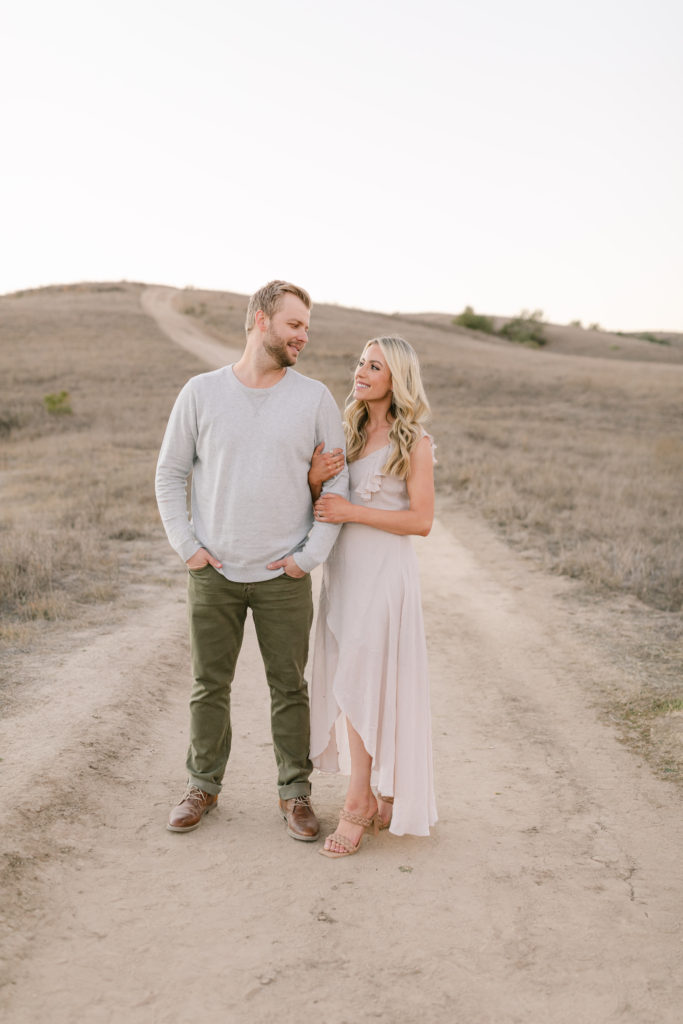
(247, 432)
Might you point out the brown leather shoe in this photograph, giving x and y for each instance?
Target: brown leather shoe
(300, 817)
(191, 809)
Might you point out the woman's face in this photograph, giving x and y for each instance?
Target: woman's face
(372, 379)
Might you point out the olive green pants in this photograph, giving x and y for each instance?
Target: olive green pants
(282, 609)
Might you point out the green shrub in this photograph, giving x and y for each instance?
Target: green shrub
(58, 404)
(8, 422)
(525, 329)
(197, 311)
(475, 321)
(648, 336)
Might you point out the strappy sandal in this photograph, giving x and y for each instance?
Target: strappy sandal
(342, 840)
(385, 800)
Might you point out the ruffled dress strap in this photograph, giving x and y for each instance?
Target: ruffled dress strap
(370, 472)
(371, 478)
(432, 443)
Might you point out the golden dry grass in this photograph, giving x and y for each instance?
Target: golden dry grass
(575, 458)
(574, 453)
(78, 506)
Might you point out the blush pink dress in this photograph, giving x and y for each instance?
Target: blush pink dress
(370, 660)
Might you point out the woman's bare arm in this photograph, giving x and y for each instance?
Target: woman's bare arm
(416, 520)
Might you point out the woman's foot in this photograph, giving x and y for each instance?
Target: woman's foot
(385, 809)
(351, 830)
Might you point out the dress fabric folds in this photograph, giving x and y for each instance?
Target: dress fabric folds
(370, 660)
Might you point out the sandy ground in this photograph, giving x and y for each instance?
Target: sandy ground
(550, 891)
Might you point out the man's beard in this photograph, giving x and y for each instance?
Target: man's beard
(276, 347)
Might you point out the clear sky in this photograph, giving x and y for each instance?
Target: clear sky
(383, 154)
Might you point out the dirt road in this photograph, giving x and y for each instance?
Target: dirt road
(551, 890)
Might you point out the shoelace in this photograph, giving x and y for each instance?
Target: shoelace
(194, 794)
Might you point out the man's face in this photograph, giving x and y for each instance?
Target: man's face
(287, 331)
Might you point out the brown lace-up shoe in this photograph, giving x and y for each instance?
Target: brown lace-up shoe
(300, 817)
(189, 812)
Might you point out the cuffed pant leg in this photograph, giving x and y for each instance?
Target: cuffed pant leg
(283, 614)
(217, 610)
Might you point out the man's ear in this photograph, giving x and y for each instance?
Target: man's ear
(260, 320)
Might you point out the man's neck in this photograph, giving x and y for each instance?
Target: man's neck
(254, 371)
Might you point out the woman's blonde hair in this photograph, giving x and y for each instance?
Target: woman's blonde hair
(409, 408)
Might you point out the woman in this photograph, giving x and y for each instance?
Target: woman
(370, 713)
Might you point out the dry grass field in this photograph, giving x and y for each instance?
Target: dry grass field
(574, 453)
(78, 510)
(577, 458)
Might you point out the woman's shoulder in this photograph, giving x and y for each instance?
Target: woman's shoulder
(429, 446)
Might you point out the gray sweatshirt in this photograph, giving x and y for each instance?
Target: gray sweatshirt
(249, 451)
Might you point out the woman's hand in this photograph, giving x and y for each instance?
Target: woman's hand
(325, 465)
(331, 508)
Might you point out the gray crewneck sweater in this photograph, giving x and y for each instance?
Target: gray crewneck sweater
(249, 451)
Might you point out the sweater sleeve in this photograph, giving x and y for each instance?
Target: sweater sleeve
(176, 458)
(323, 535)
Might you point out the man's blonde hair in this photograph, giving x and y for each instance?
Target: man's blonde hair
(269, 298)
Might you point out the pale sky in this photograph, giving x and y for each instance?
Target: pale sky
(388, 155)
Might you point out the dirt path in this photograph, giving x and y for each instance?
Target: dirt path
(158, 303)
(550, 892)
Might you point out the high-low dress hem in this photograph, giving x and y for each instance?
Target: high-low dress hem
(370, 661)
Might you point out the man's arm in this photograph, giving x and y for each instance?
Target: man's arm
(323, 535)
(324, 465)
(176, 458)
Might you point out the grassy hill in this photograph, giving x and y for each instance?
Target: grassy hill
(577, 457)
(572, 452)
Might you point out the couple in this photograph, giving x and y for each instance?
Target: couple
(268, 503)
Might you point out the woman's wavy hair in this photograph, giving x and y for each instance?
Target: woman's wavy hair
(409, 408)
